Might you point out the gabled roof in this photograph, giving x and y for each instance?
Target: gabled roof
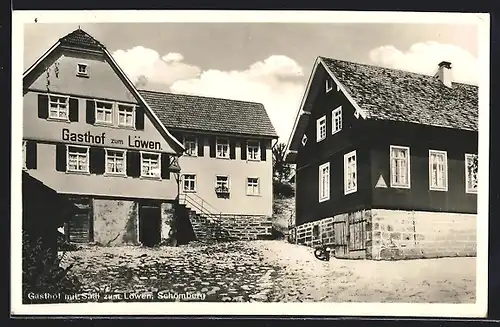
(82, 39)
(210, 114)
(380, 93)
(390, 94)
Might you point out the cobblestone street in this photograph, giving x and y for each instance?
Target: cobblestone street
(269, 271)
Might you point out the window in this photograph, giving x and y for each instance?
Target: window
(324, 182)
(115, 162)
(191, 145)
(81, 70)
(471, 168)
(400, 166)
(438, 170)
(222, 184)
(304, 140)
(350, 170)
(328, 85)
(189, 183)
(321, 129)
(150, 164)
(222, 148)
(253, 150)
(24, 154)
(126, 115)
(58, 107)
(336, 120)
(78, 159)
(253, 186)
(104, 112)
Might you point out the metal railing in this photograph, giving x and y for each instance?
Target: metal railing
(198, 203)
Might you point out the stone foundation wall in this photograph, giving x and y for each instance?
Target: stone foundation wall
(168, 224)
(245, 227)
(392, 234)
(115, 222)
(407, 234)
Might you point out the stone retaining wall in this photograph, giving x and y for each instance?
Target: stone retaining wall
(246, 227)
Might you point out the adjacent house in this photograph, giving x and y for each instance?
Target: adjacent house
(386, 162)
(226, 170)
(89, 135)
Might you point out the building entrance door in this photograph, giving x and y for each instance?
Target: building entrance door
(149, 223)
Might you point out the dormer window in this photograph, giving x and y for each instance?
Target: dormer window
(328, 85)
(82, 70)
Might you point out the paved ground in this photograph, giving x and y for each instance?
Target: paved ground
(267, 271)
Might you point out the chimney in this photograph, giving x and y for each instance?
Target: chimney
(444, 73)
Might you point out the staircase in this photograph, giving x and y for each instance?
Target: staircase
(204, 218)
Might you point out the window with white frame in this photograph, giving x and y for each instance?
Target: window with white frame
(189, 183)
(350, 173)
(471, 168)
(400, 166)
(328, 85)
(126, 115)
(438, 170)
(58, 107)
(253, 150)
(191, 145)
(78, 159)
(104, 112)
(324, 182)
(253, 186)
(24, 154)
(222, 148)
(336, 120)
(82, 70)
(150, 165)
(321, 129)
(115, 162)
(222, 184)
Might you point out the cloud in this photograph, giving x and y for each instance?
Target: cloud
(144, 65)
(173, 56)
(424, 57)
(272, 82)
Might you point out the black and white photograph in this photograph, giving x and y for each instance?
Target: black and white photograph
(291, 163)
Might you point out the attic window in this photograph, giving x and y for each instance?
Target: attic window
(304, 140)
(81, 70)
(328, 85)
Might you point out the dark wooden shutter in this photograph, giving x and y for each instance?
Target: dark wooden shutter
(263, 148)
(97, 160)
(90, 111)
(133, 164)
(212, 147)
(243, 146)
(201, 146)
(73, 109)
(31, 154)
(165, 165)
(43, 106)
(232, 149)
(61, 157)
(139, 118)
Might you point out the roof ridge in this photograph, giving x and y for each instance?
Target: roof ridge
(79, 32)
(393, 69)
(200, 96)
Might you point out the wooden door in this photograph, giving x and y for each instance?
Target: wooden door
(80, 227)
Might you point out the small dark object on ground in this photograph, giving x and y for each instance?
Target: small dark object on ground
(322, 253)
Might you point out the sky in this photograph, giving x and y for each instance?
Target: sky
(269, 63)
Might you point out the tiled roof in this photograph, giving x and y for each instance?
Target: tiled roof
(210, 114)
(389, 94)
(81, 38)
